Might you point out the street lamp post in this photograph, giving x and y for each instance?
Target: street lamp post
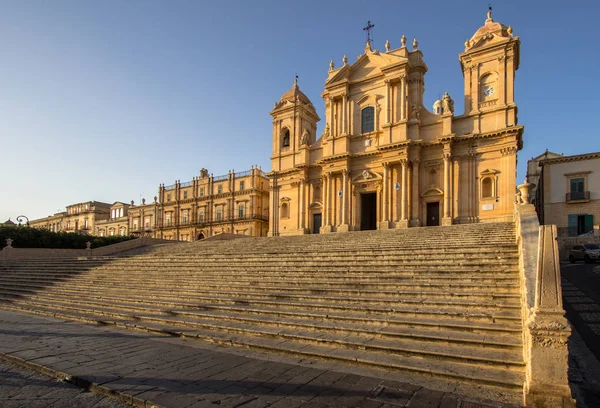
(20, 219)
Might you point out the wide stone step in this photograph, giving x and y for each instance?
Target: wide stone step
(368, 328)
(402, 345)
(494, 375)
(460, 312)
(282, 285)
(480, 300)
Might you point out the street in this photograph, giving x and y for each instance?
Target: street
(581, 299)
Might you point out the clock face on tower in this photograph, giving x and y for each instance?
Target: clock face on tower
(488, 90)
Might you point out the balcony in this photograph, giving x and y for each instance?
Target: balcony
(578, 196)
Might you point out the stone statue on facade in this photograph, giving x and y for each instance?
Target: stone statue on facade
(414, 114)
(326, 130)
(305, 139)
(447, 104)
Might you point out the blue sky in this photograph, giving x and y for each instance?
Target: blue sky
(103, 100)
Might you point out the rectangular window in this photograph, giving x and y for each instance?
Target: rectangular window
(577, 188)
(185, 195)
(201, 191)
(85, 223)
(168, 219)
(368, 119)
(219, 214)
(184, 216)
(201, 216)
(242, 185)
(220, 189)
(135, 225)
(241, 211)
(147, 222)
(168, 197)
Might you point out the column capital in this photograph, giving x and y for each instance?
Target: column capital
(403, 162)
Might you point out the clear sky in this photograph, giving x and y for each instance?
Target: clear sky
(103, 100)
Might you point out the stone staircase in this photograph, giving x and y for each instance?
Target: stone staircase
(441, 302)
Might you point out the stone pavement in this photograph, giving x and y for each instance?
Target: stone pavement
(146, 370)
(20, 387)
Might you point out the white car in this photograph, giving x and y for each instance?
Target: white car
(586, 252)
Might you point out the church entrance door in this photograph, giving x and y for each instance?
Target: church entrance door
(433, 214)
(316, 223)
(368, 211)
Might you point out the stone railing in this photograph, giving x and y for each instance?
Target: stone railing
(545, 328)
(10, 253)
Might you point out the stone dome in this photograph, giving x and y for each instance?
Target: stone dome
(490, 29)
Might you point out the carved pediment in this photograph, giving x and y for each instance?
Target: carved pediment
(432, 191)
(367, 175)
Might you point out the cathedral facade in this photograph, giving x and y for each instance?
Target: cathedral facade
(384, 160)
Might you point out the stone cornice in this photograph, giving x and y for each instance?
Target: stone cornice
(565, 159)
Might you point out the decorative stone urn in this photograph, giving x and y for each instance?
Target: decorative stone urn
(525, 189)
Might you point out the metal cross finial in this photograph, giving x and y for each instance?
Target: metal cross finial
(368, 29)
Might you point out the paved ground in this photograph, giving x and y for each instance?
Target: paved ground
(172, 372)
(581, 299)
(20, 387)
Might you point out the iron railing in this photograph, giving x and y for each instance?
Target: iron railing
(578, 195)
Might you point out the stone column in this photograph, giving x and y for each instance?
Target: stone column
(447, 219)
(302, 209)
(326, 204)
(402, 97)
(385, 193)
(403, 223)
(331, 116)
(410, 192)
(344, 114)
(387, 101)
(344, 222)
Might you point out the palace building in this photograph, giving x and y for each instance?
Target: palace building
(235, 203)
(384, 160)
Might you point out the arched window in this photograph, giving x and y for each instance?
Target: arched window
(285, 211)
(285, 138)
(487, 187)
(488, 87)
(367, 120)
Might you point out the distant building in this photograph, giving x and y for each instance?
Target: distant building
(143, 219)
(116, 224)
(236, 203)
(80, 217)
(568, 194)
(9, 223)
(533, 172)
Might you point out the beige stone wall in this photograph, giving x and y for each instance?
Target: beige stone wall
(234, 203)
(420, 168)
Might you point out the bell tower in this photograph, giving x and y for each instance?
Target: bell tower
(488, 63)
(294, 128)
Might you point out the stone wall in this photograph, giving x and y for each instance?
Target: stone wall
(10, 253)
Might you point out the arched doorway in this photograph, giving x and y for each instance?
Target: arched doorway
(200, 236)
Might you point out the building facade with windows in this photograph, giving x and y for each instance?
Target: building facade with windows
(80, 217)
(384, 160)
(117, 224)
(143, 218)
(568, 194)
(235, 203)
